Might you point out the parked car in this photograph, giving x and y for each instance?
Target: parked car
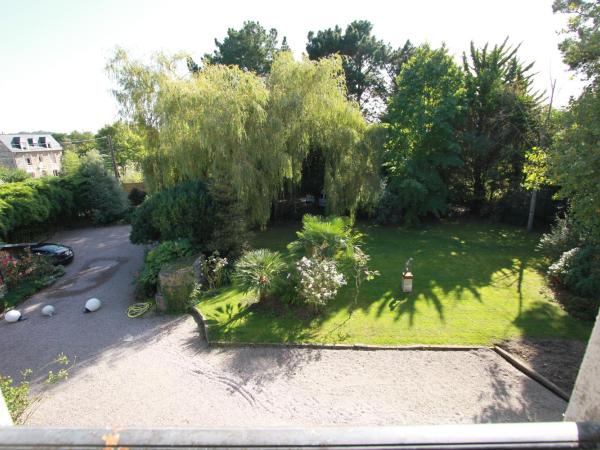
(57, 253)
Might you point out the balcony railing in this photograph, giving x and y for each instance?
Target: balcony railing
(557, 435)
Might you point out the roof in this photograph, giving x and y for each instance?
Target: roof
(27, 142)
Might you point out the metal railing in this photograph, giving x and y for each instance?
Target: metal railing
(551, 435)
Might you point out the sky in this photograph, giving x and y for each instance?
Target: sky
(53, 53)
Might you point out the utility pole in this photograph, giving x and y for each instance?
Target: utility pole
(112, 156)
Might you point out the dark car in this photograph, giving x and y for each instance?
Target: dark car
(57, 253)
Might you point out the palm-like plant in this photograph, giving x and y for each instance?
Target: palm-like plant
(331, 237)
(259, 270)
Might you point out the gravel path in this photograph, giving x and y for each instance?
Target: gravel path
(157, 371)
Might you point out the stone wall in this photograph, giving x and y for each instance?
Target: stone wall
(176, 282)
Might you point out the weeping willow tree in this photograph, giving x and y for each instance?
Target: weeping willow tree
(230, 127)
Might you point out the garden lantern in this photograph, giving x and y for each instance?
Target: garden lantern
(407, 277)
(93, 304)
(48, 310)
(407, 282)
(13, 316)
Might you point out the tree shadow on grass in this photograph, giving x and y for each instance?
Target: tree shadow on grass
(401, 303)
(240, 322)
(452, 263)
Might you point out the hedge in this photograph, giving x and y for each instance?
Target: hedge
(29, 204)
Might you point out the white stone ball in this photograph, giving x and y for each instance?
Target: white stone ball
(48, 310)
(93, 304)
(12, 316)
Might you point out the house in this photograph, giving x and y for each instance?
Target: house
(38, 154)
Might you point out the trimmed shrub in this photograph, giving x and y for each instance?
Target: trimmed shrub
(35, 203)
(182, 212)
(210, 219)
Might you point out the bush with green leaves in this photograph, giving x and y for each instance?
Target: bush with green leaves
(214, 270)
(320, 243)
(190, 211)
(97, 191)
(8, 175)
(578, 271)
(259, 271)
(562, 237)
(331, 237)
(157, 257)
(30, 206)
(136, 196)
(182, 212)
(34, 204)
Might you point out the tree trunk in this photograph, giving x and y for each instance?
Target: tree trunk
(478, 192)
(531, 210)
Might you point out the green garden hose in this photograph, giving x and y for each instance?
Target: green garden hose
(138, 309)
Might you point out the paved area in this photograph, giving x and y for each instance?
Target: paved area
(157, 371)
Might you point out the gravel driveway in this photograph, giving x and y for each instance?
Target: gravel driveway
(157, 371)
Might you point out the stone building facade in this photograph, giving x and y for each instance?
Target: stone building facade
(38, 154)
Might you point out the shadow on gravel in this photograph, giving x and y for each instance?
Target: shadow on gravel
(505, 406)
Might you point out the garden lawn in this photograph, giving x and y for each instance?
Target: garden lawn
(474, 284)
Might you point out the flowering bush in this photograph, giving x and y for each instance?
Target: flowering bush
(214, 270)
(319, 280)
(15, 270)
(559, 271)
(9, 269)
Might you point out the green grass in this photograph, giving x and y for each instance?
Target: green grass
(474, 284)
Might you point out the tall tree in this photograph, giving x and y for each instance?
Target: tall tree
(248, 133)
(369, 63)
(250, 48)
(581, 47)
(424, 115)
(502, 119)
(128, 145)
(574, 159)
(79, 142)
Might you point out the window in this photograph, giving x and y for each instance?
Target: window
(55, 172)
(28, 161)
(44, 173)
(41, 158)
(54, 157)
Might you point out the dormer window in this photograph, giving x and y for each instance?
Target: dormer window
(44, 142)
(30, 141)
